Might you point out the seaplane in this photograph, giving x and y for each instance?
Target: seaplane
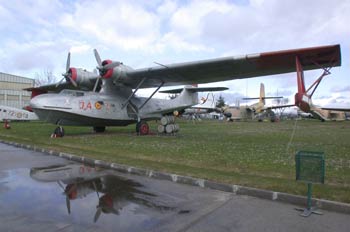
(108, 98)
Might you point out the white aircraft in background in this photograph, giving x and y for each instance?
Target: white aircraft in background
(14, 114)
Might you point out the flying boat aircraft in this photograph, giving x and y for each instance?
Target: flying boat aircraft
(114, 102)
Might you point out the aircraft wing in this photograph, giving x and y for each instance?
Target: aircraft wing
(53, 87)
(195, 89)
(236, 67)
(278, 107)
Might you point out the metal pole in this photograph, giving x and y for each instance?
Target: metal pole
(309, 195)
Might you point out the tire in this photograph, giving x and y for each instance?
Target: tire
(59, 131)
(99, 129)
(143, 128)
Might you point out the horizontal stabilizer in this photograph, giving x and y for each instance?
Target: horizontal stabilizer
(195, 89)
(336, 109)
(279, 107)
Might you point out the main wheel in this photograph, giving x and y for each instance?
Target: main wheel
(59, 132)
(99, 129)
(142, 128)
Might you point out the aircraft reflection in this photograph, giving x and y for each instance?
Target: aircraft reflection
(113, 192)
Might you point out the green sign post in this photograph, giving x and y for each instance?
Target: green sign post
(310, 168)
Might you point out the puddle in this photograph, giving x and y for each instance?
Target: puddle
(77, 194)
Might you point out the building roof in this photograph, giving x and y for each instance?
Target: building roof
(5, 77)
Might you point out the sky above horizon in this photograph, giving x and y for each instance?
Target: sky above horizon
(36, 35)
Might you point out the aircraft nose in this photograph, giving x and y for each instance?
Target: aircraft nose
(36, 102)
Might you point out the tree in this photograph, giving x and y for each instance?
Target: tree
(220, 102)
(44, 77)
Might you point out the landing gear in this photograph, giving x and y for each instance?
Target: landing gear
(142, 128)
(99, 129)
(59, 132)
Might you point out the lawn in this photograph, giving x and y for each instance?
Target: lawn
(252, 154)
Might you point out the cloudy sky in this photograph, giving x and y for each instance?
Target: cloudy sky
(36, 35)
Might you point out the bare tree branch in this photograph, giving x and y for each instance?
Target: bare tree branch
(44, 77)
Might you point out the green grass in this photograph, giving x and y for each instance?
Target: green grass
(245, 153)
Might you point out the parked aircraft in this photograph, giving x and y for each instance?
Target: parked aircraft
(116, 103)
(304, 102)
(251, 111)
(8, 114)
(207, 105)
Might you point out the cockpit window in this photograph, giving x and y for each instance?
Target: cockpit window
(72, 92)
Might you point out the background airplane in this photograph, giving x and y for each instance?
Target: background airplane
(250, 111)
(116, 103)
(8, 114)
(303, 99)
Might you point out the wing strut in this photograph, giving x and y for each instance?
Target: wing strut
(133, 93)
(149, 98)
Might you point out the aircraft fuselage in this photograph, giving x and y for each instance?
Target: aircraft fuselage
(83, 108)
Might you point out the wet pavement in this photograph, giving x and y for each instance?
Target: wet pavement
(46, 193)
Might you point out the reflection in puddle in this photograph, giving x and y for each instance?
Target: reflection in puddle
(82, 195)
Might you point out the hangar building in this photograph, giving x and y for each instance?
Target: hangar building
(11, 90)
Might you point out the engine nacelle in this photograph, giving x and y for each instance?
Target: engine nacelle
(117, 74)
(83, 78)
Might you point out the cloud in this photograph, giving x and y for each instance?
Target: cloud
(125, 25)
(280, 93)
(341, 89)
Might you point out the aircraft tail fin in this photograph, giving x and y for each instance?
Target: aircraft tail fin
(302, 100)
(300, 78)
(262, 94)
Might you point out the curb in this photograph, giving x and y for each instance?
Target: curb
(235, 189)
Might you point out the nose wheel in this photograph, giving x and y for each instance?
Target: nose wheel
(99, 129)
(142, 128)
(58, 132)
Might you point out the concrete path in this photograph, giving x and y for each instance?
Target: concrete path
(47, 193)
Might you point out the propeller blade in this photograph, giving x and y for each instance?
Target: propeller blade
(60, 184)
(68, 62)
(68, 204)
(60, 81)
(98, 213)
(98, 58)
(111, 65)
(72, 81)
(96, 84)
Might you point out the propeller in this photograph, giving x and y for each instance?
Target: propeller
(103, 67)
(68, 74)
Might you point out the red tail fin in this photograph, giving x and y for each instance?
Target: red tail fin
(302, 100)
